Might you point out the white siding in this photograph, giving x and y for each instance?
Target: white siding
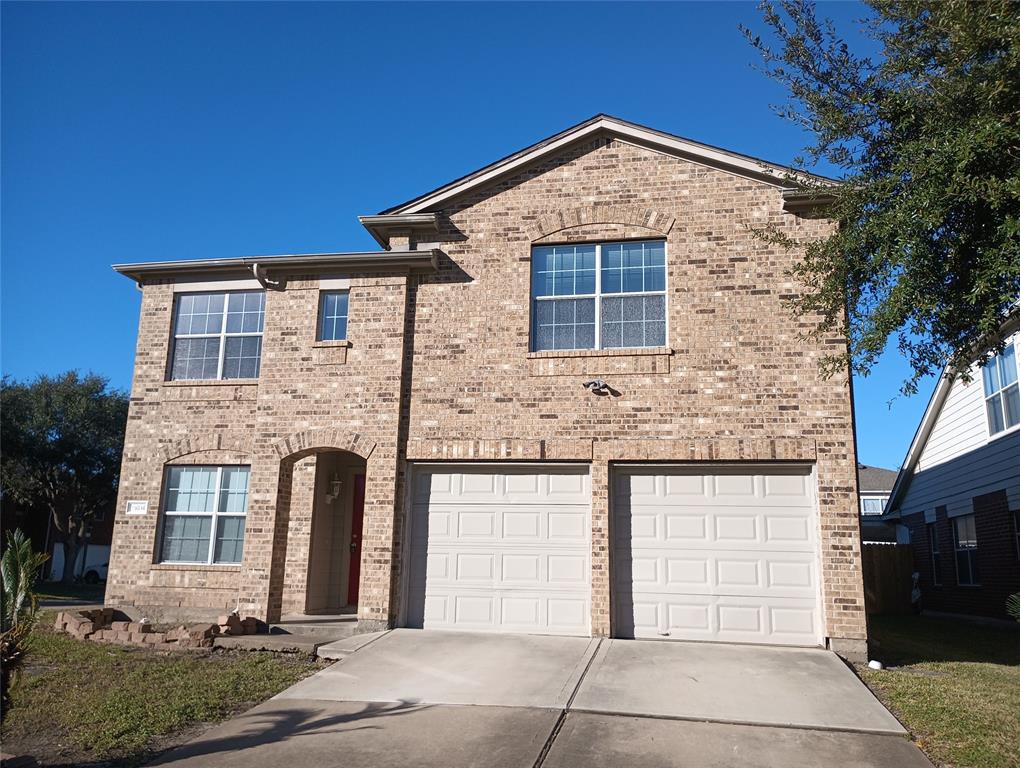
(962, 426)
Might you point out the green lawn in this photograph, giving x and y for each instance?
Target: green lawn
(54, 590)
(82, 702)
(954, 685)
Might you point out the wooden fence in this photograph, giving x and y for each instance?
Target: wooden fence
(888, 569)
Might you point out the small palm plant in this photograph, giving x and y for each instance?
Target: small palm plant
(1013, 606)
(19, 569)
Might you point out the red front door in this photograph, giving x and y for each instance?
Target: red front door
(357, 523)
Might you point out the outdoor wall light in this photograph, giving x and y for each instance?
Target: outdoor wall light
(597, 387)
(335, 486)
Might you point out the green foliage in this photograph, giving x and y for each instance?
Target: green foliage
(927, 134)
(135, 696)
(62, 441)
(19, 570)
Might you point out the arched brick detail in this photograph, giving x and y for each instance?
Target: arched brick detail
(628, 215)
(310, 440)
(213, 441)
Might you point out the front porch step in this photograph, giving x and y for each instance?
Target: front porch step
(324, 628)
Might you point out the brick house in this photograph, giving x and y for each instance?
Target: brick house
(958, 492)
(566, 397)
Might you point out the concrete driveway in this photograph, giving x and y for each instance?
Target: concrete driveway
(422, 698)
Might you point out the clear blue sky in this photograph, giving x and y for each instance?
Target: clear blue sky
(141, 132)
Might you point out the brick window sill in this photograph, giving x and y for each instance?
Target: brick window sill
(212, 383)
(210, 390)
(330, 352)
(344, 343)
(616, 352)
(195, 567)
(600, 362)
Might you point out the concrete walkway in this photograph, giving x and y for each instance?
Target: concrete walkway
(412, 697)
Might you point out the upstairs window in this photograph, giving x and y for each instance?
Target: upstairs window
(218, 335)
(598, 296)
(333, 315)
(1002, 397)
(872, 506)
(965, 543)
(204, 511)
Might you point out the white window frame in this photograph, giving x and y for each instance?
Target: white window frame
(598, 295)
(215, 514)
(222, 335)
(882, 499)
(957, 549)
(1000, 393)
(934, 550)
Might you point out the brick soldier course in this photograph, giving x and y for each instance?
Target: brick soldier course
(437, 367)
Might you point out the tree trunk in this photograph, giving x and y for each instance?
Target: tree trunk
(71, 546)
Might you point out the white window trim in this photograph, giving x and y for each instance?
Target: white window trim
(999, 394)
(867, 497)
(215, 514)
(934, 548)
(957, 549)
(222, 335)
(598, 295)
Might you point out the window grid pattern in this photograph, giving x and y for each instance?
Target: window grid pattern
(333, 312)
(204, 505)
(965, 543)
(218, 335)
(936, 555)
(601, 296)
(1002, 392)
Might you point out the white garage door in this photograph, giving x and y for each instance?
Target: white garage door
(502, 549)
(729, 556)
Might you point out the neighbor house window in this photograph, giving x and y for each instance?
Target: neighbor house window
(598, 296)
(965, 543)
(1002, 396)
(333, 315)
(872, 506)
(218, 335)
(203, 514)
(936, 556)
(1016, 530)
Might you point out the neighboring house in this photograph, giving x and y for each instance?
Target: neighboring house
(566, 398)
(37, 525)
(875, 484)
(959, 490)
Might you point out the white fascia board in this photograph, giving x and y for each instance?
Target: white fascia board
(689, 150)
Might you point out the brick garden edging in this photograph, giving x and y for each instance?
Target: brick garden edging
(108, 625)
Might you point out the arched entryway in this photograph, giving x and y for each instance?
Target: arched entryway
(317, 538)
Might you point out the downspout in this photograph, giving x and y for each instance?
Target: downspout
(264, 280)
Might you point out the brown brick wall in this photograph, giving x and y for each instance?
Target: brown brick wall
(738, 382)
(997, 559)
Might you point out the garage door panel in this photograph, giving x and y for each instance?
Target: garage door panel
(737, 528)
(504, 551)
(520, 485)
(509, 522)
(728, 556)
(779, 574)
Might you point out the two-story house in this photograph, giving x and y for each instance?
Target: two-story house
(875, 486)
(566, 397)
(958, 492)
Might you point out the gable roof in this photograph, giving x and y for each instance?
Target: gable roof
(705, 154)
(1009, 325)
(875, 479)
